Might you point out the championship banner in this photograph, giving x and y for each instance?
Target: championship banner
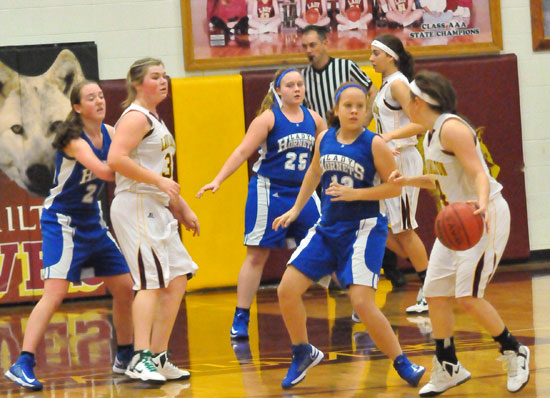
(35, 85)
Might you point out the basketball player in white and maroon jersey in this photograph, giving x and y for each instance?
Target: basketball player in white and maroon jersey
(142, 154)
(456, 167)
(390, 110)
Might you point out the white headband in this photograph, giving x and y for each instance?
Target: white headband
(420, 94)
(385, 48)
(275, 95)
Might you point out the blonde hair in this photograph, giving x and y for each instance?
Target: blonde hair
(136, 74)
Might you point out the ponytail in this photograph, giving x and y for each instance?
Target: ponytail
(72, 127)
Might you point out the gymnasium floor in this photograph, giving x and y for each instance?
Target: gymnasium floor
(75, 358)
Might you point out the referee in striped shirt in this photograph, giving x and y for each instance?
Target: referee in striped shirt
(324, 74)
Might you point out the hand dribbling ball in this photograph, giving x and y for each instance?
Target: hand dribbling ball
(312, 15)
(353, 14)
(457, 227)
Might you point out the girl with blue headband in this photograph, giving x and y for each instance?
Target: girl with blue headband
(352, 164)
(283, 133)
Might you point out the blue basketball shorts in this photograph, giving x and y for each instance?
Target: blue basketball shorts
(352, 249)
(266, 201)
(76, 248)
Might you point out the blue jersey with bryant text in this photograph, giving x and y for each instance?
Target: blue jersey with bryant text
(75, 188)
(286, 153)
(351, 165)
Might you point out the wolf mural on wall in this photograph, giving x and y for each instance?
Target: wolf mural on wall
(30, 109)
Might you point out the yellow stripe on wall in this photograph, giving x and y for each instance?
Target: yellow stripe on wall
(209, 124)
(377, 80)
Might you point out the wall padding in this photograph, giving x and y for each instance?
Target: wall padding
(209, 124)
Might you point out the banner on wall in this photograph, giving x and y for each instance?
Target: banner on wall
(35, 86)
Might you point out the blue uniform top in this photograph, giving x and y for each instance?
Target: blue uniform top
(75, 188)
(351, 165)
(286, 153)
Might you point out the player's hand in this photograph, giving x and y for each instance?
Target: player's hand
(212, 186)
(395, 177)
(340, 192)
(191, 222)
(169, 187)
(285, 220)
(482, 210)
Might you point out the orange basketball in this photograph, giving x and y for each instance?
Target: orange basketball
(312, 15)
(353, 14)
(457, 227)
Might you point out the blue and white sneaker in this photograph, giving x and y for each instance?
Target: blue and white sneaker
(304, 357)
(22, 373)
(407, 370)
(122, 360)
(239, 329)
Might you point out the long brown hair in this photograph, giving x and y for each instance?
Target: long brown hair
(439, 88)
(405, 64)
(136, 74)
(73, 126)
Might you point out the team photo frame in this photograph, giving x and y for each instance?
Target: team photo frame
(222, 34)
(540, 24)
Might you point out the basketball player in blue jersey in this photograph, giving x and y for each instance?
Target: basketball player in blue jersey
(285, 134)
(350, 237)
(457, 169)
(76, 243)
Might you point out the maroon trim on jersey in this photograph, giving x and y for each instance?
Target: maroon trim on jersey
(447, 152)
(393, 108)
(477, 277)
(159, 270)
(141, 267)
(430, 136)
(405, 213)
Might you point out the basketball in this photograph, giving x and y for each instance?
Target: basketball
(312, 15)
(353, 14)
(457, 227)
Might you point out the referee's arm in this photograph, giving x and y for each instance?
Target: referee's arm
(361, 77)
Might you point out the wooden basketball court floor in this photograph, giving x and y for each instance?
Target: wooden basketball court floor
(75, 357)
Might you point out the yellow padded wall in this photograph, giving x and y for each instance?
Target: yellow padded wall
(209, 124)
(377, 80)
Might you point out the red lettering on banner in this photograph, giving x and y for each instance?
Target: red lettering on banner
(31, 267)
(8, 253)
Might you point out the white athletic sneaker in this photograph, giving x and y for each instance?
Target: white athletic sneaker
(168, 369)
(141, 367)
(518, 368)
(444, 376)
(420, 306)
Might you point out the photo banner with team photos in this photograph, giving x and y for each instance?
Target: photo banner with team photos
(36, 82)
(239, 33)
